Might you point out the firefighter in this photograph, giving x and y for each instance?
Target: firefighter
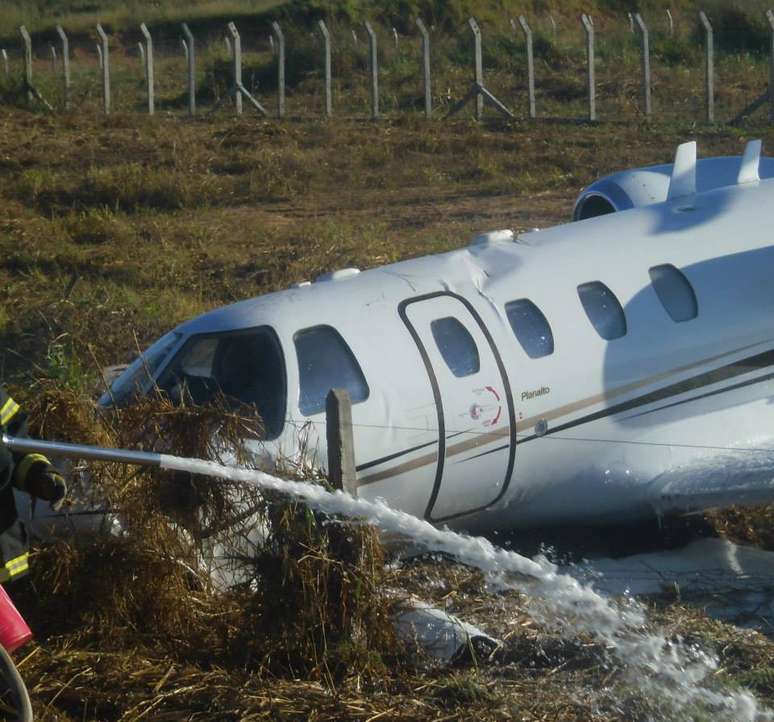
(32, 473)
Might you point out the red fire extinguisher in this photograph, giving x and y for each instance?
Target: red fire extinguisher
(14, 631)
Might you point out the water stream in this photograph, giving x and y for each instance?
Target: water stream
(667, 671)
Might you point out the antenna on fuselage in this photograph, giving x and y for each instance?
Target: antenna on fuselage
(751, 161)
(683, 180)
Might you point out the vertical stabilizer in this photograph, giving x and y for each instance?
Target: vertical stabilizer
(683, 180)
(750, 165)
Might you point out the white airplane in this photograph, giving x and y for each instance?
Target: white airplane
(617, 367)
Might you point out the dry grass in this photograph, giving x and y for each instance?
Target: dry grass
(312, 601)
(753, 526)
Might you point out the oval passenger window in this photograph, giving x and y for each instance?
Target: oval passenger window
(456, 346)
(603, 309)
(675, 292)
(530, 328)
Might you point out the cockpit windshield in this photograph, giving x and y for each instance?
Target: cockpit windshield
(247, 367)
(138, 378)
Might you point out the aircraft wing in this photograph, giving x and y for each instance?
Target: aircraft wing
(737, 477)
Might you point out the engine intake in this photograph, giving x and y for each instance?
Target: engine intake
(643, 186)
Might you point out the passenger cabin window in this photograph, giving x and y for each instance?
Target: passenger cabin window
(530, 327)
(675, 292)
(325, 362)
(603, 309)
(246, 367)
(456, 346)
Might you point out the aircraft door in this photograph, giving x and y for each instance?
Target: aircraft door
(473, 401)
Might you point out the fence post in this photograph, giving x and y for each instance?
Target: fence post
(395, 36)
(374, 69)
(141, 51)
(327, 67)
(105, 68)
(237, 57)
(185, 48)
(588, 26)
(530, 66)
(277, 30)
(709, 67)
(478, 66)
(27, 42)
(426, 78)
(190, 56)
(354, 37)
(646, 80)
(631, 22)
(149, 68)
(5, 60)
(52, 55)
(340, 441)
(65, 65)
(670, 22)
(770, 18)
(271, 43)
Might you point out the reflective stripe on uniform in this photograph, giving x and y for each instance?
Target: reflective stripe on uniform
(19, 564)
(14, 567)
(8, 411)
(24, 466)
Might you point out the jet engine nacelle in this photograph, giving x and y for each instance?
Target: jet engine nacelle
(643, 186)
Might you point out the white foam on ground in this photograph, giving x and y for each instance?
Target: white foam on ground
(730, 581)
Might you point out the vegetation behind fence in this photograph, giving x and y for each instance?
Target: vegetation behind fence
(677, 44)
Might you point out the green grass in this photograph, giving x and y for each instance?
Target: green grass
(81, 17)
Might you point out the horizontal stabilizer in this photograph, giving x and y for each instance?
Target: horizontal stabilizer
(683, 180)
(751, 160)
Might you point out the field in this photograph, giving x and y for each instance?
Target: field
(113, 229)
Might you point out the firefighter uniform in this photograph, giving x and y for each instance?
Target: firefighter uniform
(32, 473)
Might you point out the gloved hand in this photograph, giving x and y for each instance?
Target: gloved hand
(48, 484)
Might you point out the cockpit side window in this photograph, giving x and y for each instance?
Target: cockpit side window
(246, 367)
(325, 362)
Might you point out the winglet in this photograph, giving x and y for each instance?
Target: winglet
(683, 180)
(750, 165)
